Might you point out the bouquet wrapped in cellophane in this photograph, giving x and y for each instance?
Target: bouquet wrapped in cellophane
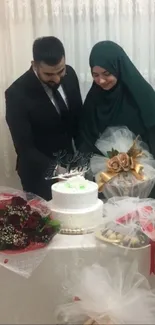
(26, 228)
(129, 223)
(109, 295)
(126, 167)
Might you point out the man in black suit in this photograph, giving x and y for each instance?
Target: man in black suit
(43, 107)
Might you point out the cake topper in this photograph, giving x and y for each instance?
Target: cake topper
(65, 165)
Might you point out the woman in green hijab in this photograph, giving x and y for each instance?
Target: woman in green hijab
(119, 96)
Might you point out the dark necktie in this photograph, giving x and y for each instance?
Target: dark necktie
(60, 103)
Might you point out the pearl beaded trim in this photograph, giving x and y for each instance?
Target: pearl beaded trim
(78, 231)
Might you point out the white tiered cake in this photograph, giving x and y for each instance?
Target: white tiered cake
(76, 205)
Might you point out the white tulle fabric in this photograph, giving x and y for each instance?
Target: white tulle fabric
(116, 294)
(128, 216)
(125, 184)
(79, 24)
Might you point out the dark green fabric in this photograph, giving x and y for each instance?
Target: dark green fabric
(131, 102)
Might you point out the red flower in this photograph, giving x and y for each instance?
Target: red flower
(33, 221)
(2, 221)
(17, 214)
(45, 235)
(2, 217)
(48, 231)
(18, 201)
(14, 219)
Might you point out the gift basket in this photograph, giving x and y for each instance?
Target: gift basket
(126, 167)
(26, 228)
(130, 224)
(109, 295)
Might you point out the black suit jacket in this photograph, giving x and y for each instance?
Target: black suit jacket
(37, 129)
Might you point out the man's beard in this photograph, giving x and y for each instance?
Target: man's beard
(53, 85)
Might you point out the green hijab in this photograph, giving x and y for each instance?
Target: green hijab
(131, 102)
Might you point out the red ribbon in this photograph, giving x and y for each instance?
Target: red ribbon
(152, 257)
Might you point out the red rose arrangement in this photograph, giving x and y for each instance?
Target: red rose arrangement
(21, 225)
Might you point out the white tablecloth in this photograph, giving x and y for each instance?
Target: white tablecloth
(34, 300)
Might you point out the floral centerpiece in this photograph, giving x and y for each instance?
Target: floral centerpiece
(26, 225)
(126, 167)
(121, 295)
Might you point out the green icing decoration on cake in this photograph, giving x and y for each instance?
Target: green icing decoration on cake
(75, 185)
(67, 185)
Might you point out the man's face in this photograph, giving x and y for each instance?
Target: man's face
(50, 75)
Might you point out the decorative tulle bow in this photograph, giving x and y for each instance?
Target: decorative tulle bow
(109, 295)
(119, 162)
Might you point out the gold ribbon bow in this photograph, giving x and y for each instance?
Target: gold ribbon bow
(122, 162)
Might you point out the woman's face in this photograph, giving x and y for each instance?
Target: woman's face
(103, 78)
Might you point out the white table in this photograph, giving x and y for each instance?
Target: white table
(34, 300)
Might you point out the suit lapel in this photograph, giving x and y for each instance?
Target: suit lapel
(35, 84)
(36, 88)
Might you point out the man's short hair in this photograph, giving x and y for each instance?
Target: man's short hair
(48, 49)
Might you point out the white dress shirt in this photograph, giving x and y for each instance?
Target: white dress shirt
(49, 93)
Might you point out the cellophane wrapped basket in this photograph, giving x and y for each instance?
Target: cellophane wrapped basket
(26, 229)
(109, 295)
(126, 167)
(129, 223)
